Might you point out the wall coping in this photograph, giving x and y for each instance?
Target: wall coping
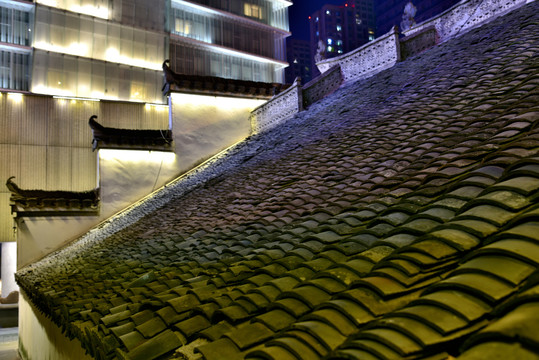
(464, 16)
(326, 64)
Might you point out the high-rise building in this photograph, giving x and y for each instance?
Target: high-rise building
(389, 12)
(298, 54)
(232, 39)
(339, 29)
(114, 49)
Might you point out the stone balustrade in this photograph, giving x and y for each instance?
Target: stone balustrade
(278, 109)
(322, 86)
(378, 55)
(367, 60)
(464, 16)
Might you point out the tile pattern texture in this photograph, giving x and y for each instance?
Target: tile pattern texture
(396, 218)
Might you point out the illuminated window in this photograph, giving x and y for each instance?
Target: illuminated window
(330, 41)
(182, 26)
(339, 51)
(137, 91)
(358, 21)
(252, 10)
(371, 37)
(328, 12)
(339, 27)
(339, 42)
(330, 49)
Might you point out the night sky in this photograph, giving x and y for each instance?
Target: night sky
(299, 15)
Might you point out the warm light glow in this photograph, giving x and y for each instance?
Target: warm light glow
(113, 55)
(236, 53)
(138, 155)
(42, 89)
(221, 102)
(17, 97)
(74, 98)
(51, 3)
(158, 107)
(99, 12)
(76, 49)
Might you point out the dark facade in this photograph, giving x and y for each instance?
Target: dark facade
(389, 12)
(298, 55)
(342, 28)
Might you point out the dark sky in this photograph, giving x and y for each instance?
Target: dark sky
(299, 13)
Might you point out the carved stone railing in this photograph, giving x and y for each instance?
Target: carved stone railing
(322, 86)
(464, 16)
(278, 109)
(367, 60)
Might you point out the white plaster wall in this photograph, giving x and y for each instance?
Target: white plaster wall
(202, 126)
(41, 339)
(205, 125)
(9, 265)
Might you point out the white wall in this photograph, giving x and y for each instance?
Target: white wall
(205, 125)
(202, 126)
(9, 265)
(41, 339)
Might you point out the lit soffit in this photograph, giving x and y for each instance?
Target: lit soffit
(18, 5)
(96, 11)
(213, 11)
(228, 51)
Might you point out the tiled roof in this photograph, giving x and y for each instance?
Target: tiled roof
(113, 138)
(396, 218)
(51, 203)
(212, 85)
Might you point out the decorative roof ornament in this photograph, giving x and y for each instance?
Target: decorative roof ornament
(408, 16)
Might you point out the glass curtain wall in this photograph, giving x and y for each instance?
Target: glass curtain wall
(15, 26)
(95, 38)
(219, 30)
(65, 75)
(97, 8)
(14, 70)
(273, 13)
(16, 21)
(193, 60)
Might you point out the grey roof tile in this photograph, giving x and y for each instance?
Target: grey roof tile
(499, 349)
(404, 227)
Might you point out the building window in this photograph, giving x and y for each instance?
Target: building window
(328, 12)
(339, 27)
(14, 26)
(330, 41)
(14, 70)
(252, 10)
(182, 26)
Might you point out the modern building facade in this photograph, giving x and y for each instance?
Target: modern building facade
(389, 12)
(62, 61)
(341, 28)
(114, 49)
(243, 40)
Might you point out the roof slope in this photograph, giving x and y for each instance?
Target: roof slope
(396, 218)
